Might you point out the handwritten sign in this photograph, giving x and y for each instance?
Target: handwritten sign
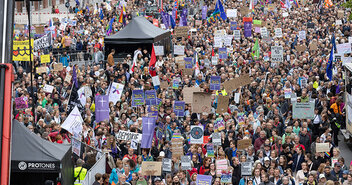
(243, 144)
(151, 168)
(201, 102)
(322, 147)
(181, 31)
(237, 82)
(303, 110)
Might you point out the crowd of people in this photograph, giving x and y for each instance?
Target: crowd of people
(283, 149)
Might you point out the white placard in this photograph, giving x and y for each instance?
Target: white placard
(346, 60)
(278, 32)
(349, 39)
(48, 88)
(237, 34)
(231, 12)
(73, 122)
(264, 32)
(128, 136)
(228, 40)
(159, 50)
(76, 146)
(214, 60)
(237, 98)
(338, 22)
(218, 42)
(179, 50)
(349, 113)
(343, 48)
(219, 32)
(277, 54)
(285, 14)
(156, 80)
(115, 93)
(302, 35)
(82, 96)
(196, 134)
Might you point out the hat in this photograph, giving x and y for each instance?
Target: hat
(162, 154)
(133, 115)
(337, 164)
(321, 176)
(139, 119)
(345, 172)
(266, 159)
(157, 179)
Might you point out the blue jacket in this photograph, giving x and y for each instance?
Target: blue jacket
(297, 164)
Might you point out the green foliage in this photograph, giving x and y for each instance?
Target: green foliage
(348, 4)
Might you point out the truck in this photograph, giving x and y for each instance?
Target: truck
(347, 133)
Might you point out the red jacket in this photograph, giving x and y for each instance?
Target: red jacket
(258, 143)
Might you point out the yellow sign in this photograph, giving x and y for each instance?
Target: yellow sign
(45, 58)
(21, 50)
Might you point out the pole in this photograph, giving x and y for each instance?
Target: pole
(28, 6)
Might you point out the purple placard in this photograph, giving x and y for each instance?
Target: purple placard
(147, 132)
(137, 98)
(21, 103)
(101, 108)
(179, 108)
(233, 25)
(204, 179)
(150, 97)
(247, 29)
(153, 114)
(215, 83)
(257, 29)
(222, 53)
(204, 12)
(188, 62)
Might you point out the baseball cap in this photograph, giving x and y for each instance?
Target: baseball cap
(321, 176)
(157, 179)
(345, 172)
(266, 159)
(338, 164)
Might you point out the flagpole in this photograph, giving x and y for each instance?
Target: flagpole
(69, 97)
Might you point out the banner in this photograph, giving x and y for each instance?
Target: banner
(102, 108)
(128, 136)
(21, 50)
(215, 82)
(188, 62)
(137, 98)
(204, 179)
(303, 110)
(247, 29)
(42, 42)
(179, 108)
(21, 103)
(115, 92)
(150, 97)
(222, 53)
(73, 123)
(197, 134)
(147, 132)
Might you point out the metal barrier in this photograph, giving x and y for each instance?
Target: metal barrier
(99, 167)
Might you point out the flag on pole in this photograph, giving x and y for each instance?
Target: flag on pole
(135, 56)
(197, 69)
(101, 15)
(109, 30)
(121, 17)
(152, 70)
(221, 9)
(147, 131)
(255, 50)
(74, 77)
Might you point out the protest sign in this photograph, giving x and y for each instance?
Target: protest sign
(340, 14)
(115, 92)
(42, 42)
(303, 110)
(48, 88)
(175, 84)
(287, 93)
(137, 98)
(243, 143)
(45, 59)
(102, 109)
(196, 134)
(58, 67)
(278, 32)
(222, 53)
(322, 147)
(41, 70)
(247, 29)
(159, 50)
(204, 12)
(128, 136)
(39, 29)
(263, 32)
(277, 54)
(150, 97)
(21, 103)
(153, 114)
(151, 168)
(236, 98)
(221, 165)
(179, 108)
(187, 71)
(216, 138)
(338, 22)
(179, 50)
(188, 62)
(201, 102)
(164, 84)
(271, 7)
(231, 12)
(76, 146)
(188, 93)
(68, 78)
(21, 50)
(219, 33)
(223, 104)
(285, 14)
(148, 125)
(186, 162)
(73, 123)
(228, 40)
(214, 60)
(226, 178)
(215, 82)
(301, 48)
(246, 168)
(156, 80)
(204, 179)
(236, 34)
(233, 84)
(210, 150)
(233, 25)
(181, 31)
(343, 48)
(177, 147)
(167, 164)
(302, 35)
(198, 22)
(218, 42)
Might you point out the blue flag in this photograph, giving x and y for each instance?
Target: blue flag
(77, 2)
(294, 43)
(221, 9)
(330, 64)
(333, 42)
(101, 15)
(172, 22)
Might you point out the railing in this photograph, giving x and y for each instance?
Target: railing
(99, 167)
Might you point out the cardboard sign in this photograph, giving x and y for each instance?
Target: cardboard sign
(164, 84)
(244, 10)
(237, 82)
(21, 103)
(246, 169)
(151, 168)
(243, 144)
(39, 29)
(340, 14)
(177, 147)
(201, 102)
(188, 93)
(58, 67)
(313, 46)
(181, 31)
(322, 147)
(223, 104)
(187, 71)
(301, 48)
(68, 78)
(303, 110)
(186, 163)
(41, 69)
(167, 164)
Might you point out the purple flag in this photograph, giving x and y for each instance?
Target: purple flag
(150, 97)
(164, 17)
(101, 108)
(188, 62)
(204, 179)
(204, 12)
(147, 132)
(179, 108)
(74, 77)
(137, 98)
(247, 29)
(222, 53)
(215, 82)
(185, 12)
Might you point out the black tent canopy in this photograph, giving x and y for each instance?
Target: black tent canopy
(138, 31)
(34, 160)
